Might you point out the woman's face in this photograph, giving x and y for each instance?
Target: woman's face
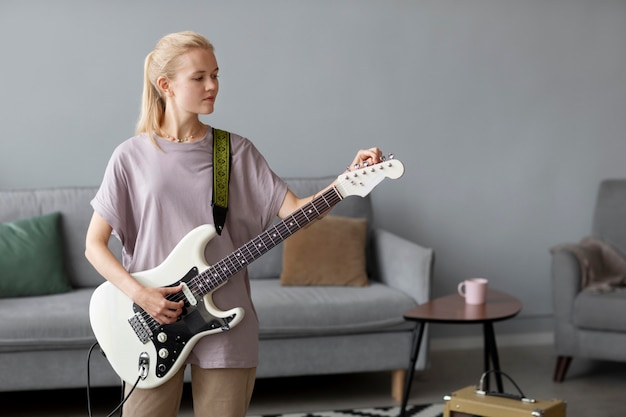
(195, 87)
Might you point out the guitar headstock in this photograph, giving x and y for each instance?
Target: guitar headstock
(362, 180)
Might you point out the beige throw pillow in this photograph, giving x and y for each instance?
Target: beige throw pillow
(330, 251)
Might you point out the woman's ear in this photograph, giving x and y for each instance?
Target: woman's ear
(164, 85)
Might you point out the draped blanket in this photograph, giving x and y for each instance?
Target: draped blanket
(603, 268)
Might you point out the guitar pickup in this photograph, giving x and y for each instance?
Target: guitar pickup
(191, 299)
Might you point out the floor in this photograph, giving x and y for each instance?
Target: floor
(591, 389)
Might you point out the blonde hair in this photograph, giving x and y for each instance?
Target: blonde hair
(163, 61)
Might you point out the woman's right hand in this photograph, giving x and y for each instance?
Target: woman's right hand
(154, 302)
(151, 299)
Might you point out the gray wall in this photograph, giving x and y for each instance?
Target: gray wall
(506, 113)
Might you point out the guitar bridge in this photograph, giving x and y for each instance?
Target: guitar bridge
(141, 328)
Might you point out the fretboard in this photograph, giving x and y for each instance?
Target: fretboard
(220, 272)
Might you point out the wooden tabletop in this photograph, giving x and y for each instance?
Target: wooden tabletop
(453, 309)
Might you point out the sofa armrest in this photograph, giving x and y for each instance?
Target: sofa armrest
(566, 283)
(403, 264)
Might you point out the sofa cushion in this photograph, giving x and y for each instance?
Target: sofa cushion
(73, 204)
(31, 257)
(46, 322)
(330, 251)
(326, 310)
(269, 266)
(601, 311)
(62, 320)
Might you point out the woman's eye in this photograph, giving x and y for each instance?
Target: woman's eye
(198, 78)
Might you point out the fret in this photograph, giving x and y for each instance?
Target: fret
(273, 236)
(213, 274)
(241, 259)
(202, 283)
(259, 245)
(224, 267)
(308, 217)
(216, 277)
(212, 277)
(301, 221)
(201, 286)
(297, 217)
(252, 245)
(283, 230)
(231, 261)
(292, 226)
(276, 233)
(218, 270)
(325, 201)
(250, 256)
(267, 241)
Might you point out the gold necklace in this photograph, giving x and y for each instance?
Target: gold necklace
(180, 140)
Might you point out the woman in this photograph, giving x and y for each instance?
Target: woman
(156, 188)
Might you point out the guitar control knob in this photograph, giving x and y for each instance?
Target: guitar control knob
(162, 368)
(162, 337)
(164, 353)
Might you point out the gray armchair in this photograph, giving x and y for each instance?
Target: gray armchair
(590, 318)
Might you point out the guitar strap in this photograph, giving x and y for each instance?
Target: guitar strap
(221, 177)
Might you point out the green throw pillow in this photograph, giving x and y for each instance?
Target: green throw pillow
(31, 257)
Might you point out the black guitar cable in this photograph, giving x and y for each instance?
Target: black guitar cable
(124, 398)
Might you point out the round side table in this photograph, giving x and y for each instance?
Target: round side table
(452, 309)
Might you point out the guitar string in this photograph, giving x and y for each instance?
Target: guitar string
(299, 216)
(227, 267)
(262, 243)
(212, 275)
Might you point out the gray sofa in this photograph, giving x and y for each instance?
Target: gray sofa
(44, 340)
(589, 323)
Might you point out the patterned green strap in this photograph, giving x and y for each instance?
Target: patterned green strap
(221, 172)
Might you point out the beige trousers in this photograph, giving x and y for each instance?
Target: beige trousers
(216, 393)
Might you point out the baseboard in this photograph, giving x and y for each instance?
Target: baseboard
(503, 340)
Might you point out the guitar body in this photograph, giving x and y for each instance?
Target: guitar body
(133, 342)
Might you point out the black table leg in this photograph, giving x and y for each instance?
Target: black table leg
(492, 361)
(418, 332)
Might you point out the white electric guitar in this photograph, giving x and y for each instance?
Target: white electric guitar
(147, 353)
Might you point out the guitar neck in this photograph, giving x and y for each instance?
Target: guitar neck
(220, 272)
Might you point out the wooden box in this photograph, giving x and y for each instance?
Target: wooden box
(469, 402)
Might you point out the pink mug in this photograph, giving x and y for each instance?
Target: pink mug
(474, 290)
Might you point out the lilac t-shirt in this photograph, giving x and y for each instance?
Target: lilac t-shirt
(152, 198)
